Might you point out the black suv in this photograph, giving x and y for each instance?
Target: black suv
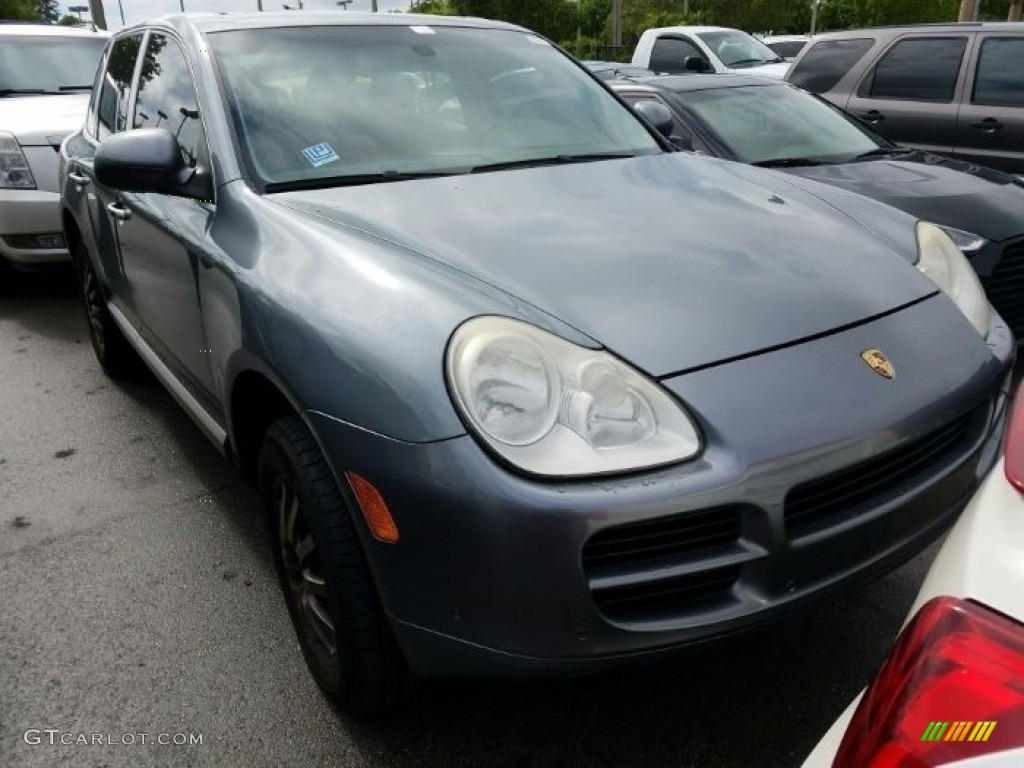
(956, 89)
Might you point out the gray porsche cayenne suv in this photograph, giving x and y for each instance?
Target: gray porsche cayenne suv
(524, 391)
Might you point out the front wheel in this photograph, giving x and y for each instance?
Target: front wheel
(345, 637)
(113, 351)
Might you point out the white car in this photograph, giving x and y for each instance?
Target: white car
(46, 74)
(681, 50)
(951, 692)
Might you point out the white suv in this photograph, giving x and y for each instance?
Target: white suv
(46, 73)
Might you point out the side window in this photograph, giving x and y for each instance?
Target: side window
(167, 98)
(998, 82)
(116, 86)
(97, 92)
(825, 64)
(669, 53)
(920, 69)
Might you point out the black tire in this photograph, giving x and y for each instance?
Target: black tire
(345, 637)
(113, 351)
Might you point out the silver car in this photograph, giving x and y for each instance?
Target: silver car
(46, 73)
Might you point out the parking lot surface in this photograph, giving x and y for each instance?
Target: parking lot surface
(138, 596)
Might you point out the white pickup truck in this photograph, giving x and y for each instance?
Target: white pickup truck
(680, 50)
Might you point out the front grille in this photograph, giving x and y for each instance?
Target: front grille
(1005, 287)
(636, 544)
(814, 505)
(666, 597)
(667, 566)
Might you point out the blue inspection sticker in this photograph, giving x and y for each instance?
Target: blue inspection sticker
(320, 154)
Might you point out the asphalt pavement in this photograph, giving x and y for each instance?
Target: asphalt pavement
(138, 599)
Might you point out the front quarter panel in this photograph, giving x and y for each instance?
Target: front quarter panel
(356, 327)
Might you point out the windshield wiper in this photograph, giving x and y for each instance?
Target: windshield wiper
(355, 179)
(787, 162)
(553, 160)
(871, 154)
(76, 87)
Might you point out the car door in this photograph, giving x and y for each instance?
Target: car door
(990, 126)
(108, 114)
(912, 92)
(161, 236)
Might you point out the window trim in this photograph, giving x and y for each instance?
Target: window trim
(867, 83)
(977, 71)
(92, 115)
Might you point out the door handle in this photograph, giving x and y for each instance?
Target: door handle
(987, 126)
(872, 116)
(118, 211)
(78, 179)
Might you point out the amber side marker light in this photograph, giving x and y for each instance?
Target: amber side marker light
(1013, 458)
(957, 661)
(372, 505)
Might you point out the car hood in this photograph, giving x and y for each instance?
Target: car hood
(949, 192)
(775, 71)
(671, 261)
(43, 120)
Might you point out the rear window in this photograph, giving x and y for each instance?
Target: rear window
(921, 69)
(827, 61)
(999, 82)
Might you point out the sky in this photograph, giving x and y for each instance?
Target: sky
(138, 10)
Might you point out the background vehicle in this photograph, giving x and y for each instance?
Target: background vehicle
(956, 662)
(955, 89)
(681, 50)
(611, 70)
(46, 73)
(776, 125)
(787, 46)
(397, 322)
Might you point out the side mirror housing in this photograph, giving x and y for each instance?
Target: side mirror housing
(149, 160)
(696, 64)
(657, 114)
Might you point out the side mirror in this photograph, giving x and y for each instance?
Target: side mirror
(657, 114)
(149, 160)
(683, 142)
(696, 64)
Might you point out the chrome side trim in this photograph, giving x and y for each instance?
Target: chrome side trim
(200, 415)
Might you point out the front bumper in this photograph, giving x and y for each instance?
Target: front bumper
(498, 574)
(30, 212)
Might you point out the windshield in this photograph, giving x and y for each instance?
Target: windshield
(48, 63)
(328, 103)
(761, 123)
(739, 50)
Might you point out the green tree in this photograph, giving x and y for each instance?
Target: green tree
(49, 11)
(22, 10)
(434, 7)
(68, 20)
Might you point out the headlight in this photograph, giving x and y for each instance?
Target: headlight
(14, 170)
(968, 242)
(552, 408)
(942, 261)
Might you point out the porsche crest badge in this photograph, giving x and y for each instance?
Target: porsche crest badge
(879, 363)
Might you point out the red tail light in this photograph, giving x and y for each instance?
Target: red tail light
(1014, 458)
(956, 669)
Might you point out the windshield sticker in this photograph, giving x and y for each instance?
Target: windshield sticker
(537, 40)
(320, 154)
(423, 30)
